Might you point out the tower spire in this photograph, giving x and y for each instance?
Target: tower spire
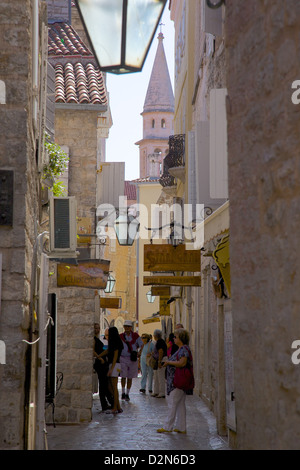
(160, 96)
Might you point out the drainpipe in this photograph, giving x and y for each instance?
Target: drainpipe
(35, 59)
(29, 356)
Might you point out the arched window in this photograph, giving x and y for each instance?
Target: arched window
(163, 124)
(153, 123)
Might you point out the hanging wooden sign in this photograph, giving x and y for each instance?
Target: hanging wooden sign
(151, 320)
(110, 302)
(164, 308)
(158, 290)
(91, 274)
(172, 280)
(162, 258)
(84, 229)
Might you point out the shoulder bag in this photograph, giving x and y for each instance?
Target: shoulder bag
(184, 376)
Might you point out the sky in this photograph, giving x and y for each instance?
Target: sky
(127, 95)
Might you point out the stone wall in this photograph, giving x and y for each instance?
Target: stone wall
(207, 68)
(17, 153)
(262, 47)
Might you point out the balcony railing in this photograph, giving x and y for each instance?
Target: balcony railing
(175, 158)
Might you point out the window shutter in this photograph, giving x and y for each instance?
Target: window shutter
(202, 166)
(192, 192)
(218, 144)
(111, 183)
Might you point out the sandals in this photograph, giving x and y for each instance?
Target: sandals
(180, 432)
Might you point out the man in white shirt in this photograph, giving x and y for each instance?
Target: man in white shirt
(129, 364)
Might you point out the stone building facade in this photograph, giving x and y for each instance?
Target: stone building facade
(200, 71)
(82, 122)
(22, 33)
(243, 342)
(262, 50)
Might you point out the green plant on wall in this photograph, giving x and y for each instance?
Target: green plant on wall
(58, 163)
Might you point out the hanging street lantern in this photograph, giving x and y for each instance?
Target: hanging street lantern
(110, 284)
(120, 31)
(126, 227)
(151, 298)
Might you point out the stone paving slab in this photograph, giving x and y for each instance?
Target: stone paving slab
(135, 428)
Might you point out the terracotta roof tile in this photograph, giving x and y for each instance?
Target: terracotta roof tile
(64, 41)
(130, 191)
(77, 78)
(147, 179)
(79, 83)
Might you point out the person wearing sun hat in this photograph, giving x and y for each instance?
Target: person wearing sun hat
(133, 345)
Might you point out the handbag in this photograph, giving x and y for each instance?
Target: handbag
(133, 356)
(184, 377)
(153, 363)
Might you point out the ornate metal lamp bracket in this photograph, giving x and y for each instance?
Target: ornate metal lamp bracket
(213, 5)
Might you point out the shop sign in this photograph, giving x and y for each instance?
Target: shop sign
(84, 229)
(164, 258)
(164, 308)
(110, 302)
(92, 274)
(172, 280)
(158, 290)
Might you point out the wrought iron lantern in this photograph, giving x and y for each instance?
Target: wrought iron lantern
(151, 298)
(110, 284)
(120, 31)
(126, 227)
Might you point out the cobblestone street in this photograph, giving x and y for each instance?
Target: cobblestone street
(135, 428)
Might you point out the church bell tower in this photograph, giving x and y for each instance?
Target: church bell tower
(158, 116)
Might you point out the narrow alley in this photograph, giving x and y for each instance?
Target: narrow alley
(136, 428)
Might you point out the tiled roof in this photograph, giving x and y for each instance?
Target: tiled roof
(130, 191)
(78, 83)
(77, 78)
(63, 40)
(147, 179)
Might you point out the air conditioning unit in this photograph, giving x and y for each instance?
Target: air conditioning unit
(63, 227)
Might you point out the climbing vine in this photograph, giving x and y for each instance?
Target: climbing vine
(58, 163)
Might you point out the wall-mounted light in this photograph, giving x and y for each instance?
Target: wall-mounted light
(214, 5)
(120, 31)
(126, 227)
(110, 284)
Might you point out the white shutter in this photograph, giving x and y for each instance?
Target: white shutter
(110, 183)
(202, 166)
(192, 192)
(218, 144)
(212, 20)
